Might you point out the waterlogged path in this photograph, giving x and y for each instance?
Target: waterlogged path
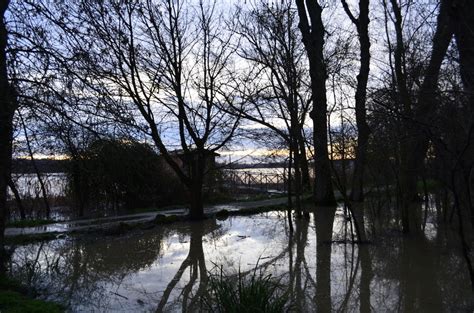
(137, 218)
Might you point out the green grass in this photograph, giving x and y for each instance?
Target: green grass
(255, 292)
(29, 223)
(13, 299)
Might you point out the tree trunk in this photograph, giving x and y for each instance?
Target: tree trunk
(463, 31)
(297, 167)
(357, 192)
(357, 211)
(418, 136)
(323, 189)
(19, 203)
(413, 150)
(295, 129)
(290, 184)
(407, 180)
(305, 177)
(35, 167)
(196, 210)
(313, 40)
(196, 164)
(7, 110)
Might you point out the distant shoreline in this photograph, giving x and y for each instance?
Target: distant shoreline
(25, 166)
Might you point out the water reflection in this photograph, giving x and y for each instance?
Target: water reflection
(166, 269)
(196, 265)
(298, 270)
(421, 292)
(324, 219)
(365, 278)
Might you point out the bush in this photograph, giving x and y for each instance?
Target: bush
(112, 173)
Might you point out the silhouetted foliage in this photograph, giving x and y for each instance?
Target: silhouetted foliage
(113, 173)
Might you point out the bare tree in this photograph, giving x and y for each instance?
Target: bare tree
(416, 111)
(313, 32)
(463, 20)
(160, 68)
(173, 68)
(274, 89)
(357, 192)
(362, 25)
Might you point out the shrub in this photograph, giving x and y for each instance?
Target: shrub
(112, 173)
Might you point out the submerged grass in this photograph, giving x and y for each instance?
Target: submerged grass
(255, 292)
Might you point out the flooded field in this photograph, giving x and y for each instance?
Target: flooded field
(166, 269)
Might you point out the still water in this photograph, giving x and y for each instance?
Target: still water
(28, 185)
(56, 184)
(165, 269)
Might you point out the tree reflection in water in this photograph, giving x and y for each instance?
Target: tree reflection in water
(324, 219)
(166, 269)
(196, 264)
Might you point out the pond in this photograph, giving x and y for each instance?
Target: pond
(165, 269)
